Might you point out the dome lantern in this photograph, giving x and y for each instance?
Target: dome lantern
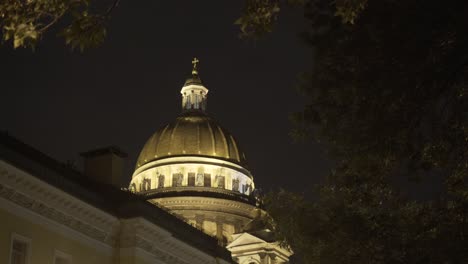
(194, 93)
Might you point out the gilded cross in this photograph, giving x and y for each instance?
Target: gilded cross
(194, 62)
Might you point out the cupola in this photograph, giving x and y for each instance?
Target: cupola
(194, 93)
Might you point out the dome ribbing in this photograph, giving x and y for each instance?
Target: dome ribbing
(192, 134)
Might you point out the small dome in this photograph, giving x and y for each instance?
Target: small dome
(193, 80)
(192, 134)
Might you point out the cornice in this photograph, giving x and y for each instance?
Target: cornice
(210, 204)
(198, 191)
(43, 193)
(195, 159)
(46, 201)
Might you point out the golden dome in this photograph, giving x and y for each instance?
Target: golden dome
(192, 134)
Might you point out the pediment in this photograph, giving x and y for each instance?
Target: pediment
(245, 239)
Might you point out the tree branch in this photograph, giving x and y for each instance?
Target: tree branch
(112, 7)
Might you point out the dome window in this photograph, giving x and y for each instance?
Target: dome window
(161, 181)
(207, 179)
(191, 179)
(220, 181)
(235, 185)
(146, 185)
(177, 179)
(200, 180)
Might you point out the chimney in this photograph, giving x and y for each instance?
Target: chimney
(105, 165)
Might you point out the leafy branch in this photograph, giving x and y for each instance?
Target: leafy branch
(23, 23)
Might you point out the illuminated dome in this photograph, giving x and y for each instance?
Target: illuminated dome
(193, 167)
(192, 134)
(192, 148)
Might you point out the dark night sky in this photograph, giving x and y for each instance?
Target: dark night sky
(64, 102)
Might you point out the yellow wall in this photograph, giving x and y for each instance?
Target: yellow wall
(44, 242)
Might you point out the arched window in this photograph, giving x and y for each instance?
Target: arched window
(188, 102)
(235, 185)
(191, 179)
(161, 181)
(200, 180)
(246, 189)
(177, 179)
(207, 179)
(220, 181)
(146, 184)
(196, 101)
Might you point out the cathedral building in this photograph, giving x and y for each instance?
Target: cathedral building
(191, 199)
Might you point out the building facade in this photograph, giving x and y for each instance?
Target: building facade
(50, 213)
